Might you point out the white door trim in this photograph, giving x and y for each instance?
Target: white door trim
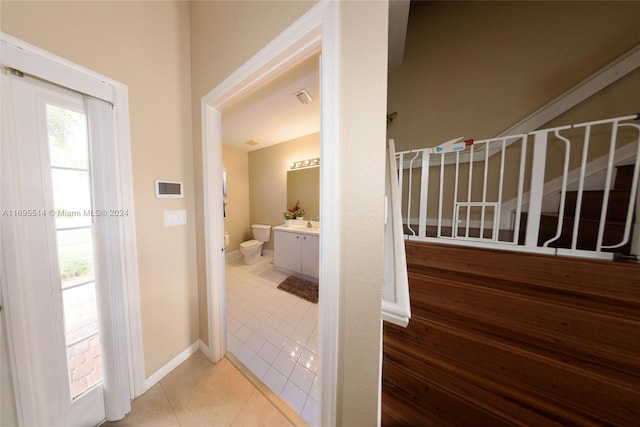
(15, 53)
(315, 31)
(29, 59)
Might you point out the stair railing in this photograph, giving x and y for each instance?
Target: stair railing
(462, 189)
(616, 124)
(396, 306)
(634, 184)
(563, 191)
(450, 158)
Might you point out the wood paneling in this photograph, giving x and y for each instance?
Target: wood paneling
(500, 338)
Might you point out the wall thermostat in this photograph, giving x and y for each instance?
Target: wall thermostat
(169, 190)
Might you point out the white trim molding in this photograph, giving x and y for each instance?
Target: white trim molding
(578, 93)
(158, 375)
(233, 255)
(513, 248)
(204, 348)
(214, 231)
(29, 59)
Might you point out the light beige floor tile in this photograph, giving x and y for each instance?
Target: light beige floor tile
(199, 394)
(150, 409)
(259, 412)
(207, 397)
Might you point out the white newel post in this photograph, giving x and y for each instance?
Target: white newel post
(537, 186)
(635, 242)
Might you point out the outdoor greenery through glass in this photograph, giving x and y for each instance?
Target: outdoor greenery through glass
(71, 182)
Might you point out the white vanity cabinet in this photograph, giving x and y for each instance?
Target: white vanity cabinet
(310, 255)
(296, 252)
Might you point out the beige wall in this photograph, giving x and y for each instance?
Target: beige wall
(476, 68)
(617, 100)
(144, 45)
(225, 34)
(236, 221)
(268, 178)
(363, 73)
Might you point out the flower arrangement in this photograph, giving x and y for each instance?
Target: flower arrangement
(294, 212)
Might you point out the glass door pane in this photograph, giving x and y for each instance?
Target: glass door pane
(71, 182)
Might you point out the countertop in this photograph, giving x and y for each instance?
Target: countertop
(300, 229)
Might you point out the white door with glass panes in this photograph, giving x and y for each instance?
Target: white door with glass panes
(53, 203)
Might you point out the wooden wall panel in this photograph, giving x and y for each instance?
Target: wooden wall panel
(499, 338)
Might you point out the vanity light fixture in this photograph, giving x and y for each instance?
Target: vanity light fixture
(300, 164)
(303, 96)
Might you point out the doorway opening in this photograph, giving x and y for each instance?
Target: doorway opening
(312, 33)
(267, 138)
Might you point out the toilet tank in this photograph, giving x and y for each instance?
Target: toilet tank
(261, 232)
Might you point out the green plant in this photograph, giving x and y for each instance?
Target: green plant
(294, 211)
(391, 117)
(74, 268)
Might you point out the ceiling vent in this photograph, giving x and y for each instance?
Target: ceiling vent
(303, 96)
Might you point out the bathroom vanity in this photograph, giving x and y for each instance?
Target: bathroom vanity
(296, 250)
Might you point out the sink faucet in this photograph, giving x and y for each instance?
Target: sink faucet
(309, 224)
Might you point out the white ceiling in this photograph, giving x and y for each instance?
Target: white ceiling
(272, 114)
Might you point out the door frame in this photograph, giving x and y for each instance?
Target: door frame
(315, 31)
(125, 299)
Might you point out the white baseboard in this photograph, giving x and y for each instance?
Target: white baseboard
(233, 255)
(204, 348)
(154, 378)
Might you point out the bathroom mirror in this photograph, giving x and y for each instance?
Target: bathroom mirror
(304, 185)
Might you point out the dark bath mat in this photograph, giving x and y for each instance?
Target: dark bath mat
(301, 288)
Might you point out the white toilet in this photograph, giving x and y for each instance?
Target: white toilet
(252, 249)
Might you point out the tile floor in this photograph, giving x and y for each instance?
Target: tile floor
(273, 333)
(199, 393)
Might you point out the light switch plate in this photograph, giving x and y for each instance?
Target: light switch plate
(173, 218)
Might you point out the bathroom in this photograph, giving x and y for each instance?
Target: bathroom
(272, 333)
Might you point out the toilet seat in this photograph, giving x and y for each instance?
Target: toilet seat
(250, 244)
